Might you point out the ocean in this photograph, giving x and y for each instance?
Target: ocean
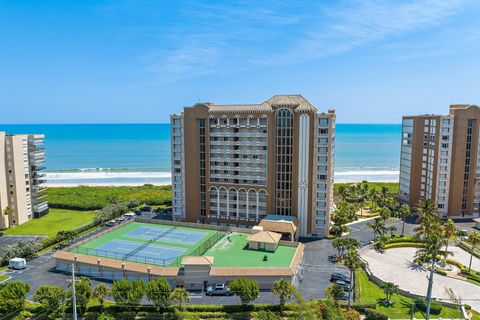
(123, 154)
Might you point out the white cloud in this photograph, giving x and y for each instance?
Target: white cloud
(222, 38)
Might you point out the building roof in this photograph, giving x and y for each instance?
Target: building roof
(298, 102)
(265, 236)
(278, 223)
(197, 261)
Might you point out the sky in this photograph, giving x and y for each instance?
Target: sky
(128, 61)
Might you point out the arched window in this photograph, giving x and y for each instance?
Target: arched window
(232, 202)
(213, 192)
(223, 198)
(262, 204)
(252, 203)
(242, 203)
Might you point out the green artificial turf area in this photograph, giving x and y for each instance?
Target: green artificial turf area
(56, 220)
(367, 292)
(211, 236)
(234, 253)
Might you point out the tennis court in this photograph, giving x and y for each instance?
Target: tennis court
(174, 236)
(131, 251)
(150, 243)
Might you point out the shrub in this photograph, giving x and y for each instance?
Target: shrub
(403, 244)
(351, 314)
(435, 306)
(94, 198)
(20, 249)
(371, 314)
(361, 307)
(441, 272)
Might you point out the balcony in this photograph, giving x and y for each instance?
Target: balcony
(41, 206)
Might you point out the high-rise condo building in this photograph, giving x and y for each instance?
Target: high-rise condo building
(235, 164)
(440, 160)
(22, 159)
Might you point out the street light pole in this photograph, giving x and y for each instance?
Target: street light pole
(74, 297)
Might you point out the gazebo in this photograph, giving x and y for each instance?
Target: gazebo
(285, 225)
(264, 240)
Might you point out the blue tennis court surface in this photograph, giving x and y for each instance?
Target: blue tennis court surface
(172, 235)
(128, 250)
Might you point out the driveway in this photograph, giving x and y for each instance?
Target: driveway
(463, 257)
(396, 265)
(315, 269)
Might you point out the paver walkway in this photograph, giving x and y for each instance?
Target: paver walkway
(396, 265)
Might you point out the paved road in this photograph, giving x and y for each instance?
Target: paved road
(363, 233)
(396, 265)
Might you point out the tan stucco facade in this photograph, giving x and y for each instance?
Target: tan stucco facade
(21, 180)
(440, 161)
(235, 164)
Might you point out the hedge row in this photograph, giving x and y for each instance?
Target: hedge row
(467, 248)
(371, 314)
(435, 306)
(403, 244)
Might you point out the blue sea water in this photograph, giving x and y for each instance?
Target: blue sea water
(140, 153)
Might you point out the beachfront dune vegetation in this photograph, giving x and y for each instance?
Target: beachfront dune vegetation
(94, 198)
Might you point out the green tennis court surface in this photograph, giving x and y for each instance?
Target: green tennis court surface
(150, 243)
(165, 245)
(235, 253)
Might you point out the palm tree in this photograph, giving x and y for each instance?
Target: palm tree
(449, 229)
(100, 293)
(474, 239)
(7, 211)
(283, 290)
(385, 213)
(377, 227)
(384, 195)
(389, 288)
(335, 292)
(404, 212)
(428, 219)
(352, 261)
(434, 243)
(179, 295)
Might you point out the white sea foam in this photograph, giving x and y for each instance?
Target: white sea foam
(368, 175)
(54, 176)
(97, 176)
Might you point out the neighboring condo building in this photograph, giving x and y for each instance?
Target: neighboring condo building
(22, 159)
(440, 160)
(235, 164)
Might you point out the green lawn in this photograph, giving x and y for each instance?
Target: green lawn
(367, 292)
(393, 187)
(3, 278)
(56, 220)
(234, 253)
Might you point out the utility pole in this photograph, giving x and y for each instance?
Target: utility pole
(74, 297)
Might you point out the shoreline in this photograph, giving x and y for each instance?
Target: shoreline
(156, 183)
